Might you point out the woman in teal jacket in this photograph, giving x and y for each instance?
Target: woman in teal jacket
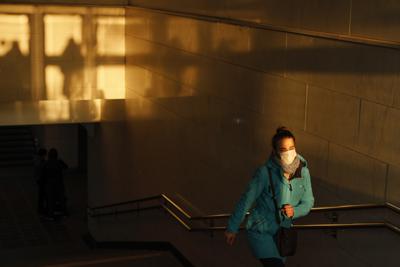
(292, 183)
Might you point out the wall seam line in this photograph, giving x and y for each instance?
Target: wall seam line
(350, 16)
(305, 108)
(386, 183)
(249, 24)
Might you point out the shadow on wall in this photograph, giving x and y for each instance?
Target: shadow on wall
(327, 194)
(159, 152)
(15, 79)
(216, 121)
(319, 56)
(73, 57)
(71, 78)
(71, 65)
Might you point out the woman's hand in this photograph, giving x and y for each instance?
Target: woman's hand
(288, 210)
(230, 237)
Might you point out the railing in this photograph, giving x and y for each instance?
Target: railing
(168, 205)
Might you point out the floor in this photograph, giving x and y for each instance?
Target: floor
(28, 240)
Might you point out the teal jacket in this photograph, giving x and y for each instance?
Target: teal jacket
(296, 192)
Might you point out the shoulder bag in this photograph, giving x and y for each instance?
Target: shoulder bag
(285, 238)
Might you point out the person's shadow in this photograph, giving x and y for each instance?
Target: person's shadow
(71, 65)
(15, 75)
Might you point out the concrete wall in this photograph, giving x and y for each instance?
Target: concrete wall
(376, 19)
(70, 2)
(217, 92)
(204, 99)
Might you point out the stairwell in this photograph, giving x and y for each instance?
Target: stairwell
(55, 243)
(17, 146)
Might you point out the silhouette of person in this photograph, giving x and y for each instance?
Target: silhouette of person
(39, 162)
(55, 189)
(72, 68)
(15, 73)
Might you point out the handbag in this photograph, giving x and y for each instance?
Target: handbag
(285, 238)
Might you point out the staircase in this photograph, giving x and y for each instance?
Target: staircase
(106, 258)
(26, 240)
(92, 258)
(16, 146)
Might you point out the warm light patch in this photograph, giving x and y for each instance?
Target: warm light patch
(61, 30)
(183, 33)
(190, 75)
(14, 34)
(54, 83)
(111, 81)
(111, 36)
(64, 58)
(50, 111)
(230, 38)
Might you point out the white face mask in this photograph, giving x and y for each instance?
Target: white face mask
(287, 157)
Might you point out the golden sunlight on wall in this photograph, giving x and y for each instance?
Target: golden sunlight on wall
(60, 31)
(111, 81)
(111, 52)
(64, 70)
(14, 29)
(65, 54)
(106, 27)
(14, 57)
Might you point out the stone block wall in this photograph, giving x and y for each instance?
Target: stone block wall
(225, 88)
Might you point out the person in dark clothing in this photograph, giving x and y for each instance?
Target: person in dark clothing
(39, 163)
(55, 189)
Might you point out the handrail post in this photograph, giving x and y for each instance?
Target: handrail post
(334, 218)
(212, 225)
(165, 202)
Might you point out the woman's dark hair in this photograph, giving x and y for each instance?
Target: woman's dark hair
(53, 154)
(281, 133)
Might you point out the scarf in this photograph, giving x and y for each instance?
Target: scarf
(287, 168)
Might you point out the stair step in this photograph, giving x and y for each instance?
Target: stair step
(146, 259)
(16, 150)
(17, 144)
(7, 157)
(15, 137)
(16, 163)
(18, 130)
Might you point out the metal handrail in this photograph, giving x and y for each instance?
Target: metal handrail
(125, 202)
(227, 215)
(168, 200)
(187, 215)
(388, 225)
(392, 207)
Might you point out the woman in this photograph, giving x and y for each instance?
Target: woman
(292, 184)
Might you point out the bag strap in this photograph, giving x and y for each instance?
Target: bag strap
(277, 217)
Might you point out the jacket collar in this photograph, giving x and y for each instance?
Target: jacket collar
(275, 166)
